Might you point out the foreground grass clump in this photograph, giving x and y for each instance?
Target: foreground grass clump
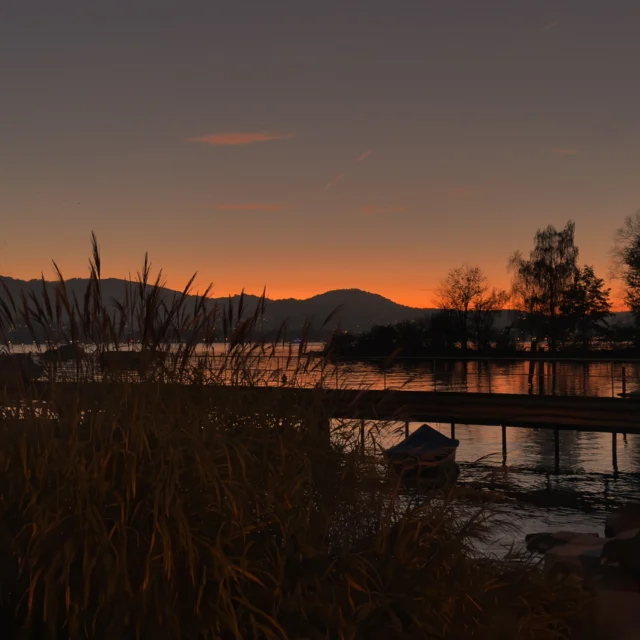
(151, 509)
(158, 514)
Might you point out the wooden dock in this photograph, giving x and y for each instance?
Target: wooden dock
(555, 413)
(580, 413)
(608, 415)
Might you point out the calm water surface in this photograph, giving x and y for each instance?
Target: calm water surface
(578, 495)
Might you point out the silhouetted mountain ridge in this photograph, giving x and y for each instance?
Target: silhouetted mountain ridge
(357, 310)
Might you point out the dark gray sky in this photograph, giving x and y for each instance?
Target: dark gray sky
(314, 145)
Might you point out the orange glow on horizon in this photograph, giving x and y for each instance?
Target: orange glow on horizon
(419, 297)
(285, 273)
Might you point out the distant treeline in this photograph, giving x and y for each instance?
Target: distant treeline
(440, 335)
(564, 307)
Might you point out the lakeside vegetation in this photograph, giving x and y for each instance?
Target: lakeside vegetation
(151, 510)
(563, 308)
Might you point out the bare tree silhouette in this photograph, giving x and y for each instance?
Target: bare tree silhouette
(466, 292)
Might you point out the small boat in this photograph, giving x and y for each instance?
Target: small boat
(63, 353)
(425, 450)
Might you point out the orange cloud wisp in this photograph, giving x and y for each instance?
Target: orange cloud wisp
(334, 181)
(372, 211)
(252, 206)
(240, 138)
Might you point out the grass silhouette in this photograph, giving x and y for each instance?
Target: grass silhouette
(160, 506)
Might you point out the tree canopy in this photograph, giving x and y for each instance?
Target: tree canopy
(627, 261)
(586, 306)
(466, 292)
(542, 281)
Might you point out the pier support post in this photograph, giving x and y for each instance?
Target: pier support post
(406, 429)
(556, 440)
(613, 382)
(614, 451)
(453, 430)
(624, 382)
(504, 445)
(532, 371)
(323, 429)
(362, 436)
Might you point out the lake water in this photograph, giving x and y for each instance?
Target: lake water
(577, 496)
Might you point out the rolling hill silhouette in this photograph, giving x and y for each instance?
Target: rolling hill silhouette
(354, 310)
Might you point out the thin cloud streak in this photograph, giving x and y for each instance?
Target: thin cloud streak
(252, 206)
(375, 211)
(551, 25)
(460, 192)
(240, 138)
(334, 181)
(364, 155)
(565, 152)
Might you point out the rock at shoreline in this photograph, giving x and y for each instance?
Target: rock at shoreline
(624, 551)
(582, 559)
(543, 542)
(624, 519)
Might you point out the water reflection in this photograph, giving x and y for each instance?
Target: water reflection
(573, 378)
(504, 376)
(583, 475)
(576, 495)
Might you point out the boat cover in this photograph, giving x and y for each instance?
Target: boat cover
(422, 440)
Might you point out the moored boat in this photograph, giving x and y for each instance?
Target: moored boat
(424, 451)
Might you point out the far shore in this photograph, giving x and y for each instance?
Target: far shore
(601, 355)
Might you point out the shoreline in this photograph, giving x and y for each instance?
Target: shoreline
(631, 356)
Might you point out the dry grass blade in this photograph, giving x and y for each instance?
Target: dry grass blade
(159, 503)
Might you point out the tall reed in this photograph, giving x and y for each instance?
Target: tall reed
(161, 505)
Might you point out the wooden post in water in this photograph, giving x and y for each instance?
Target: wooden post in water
(453, 430)
(556, 439)
(362, 436)
(504, 445)
(624, 382)
(613, 384)
(489, 373)
(323, 429)
(532, 363)
(614, 451)
(406, 429)
(434, 375)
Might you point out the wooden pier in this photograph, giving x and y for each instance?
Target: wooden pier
(608, 415)
(579, 413)
(555, 413)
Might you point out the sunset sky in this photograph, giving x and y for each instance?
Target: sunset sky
(314, 145)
